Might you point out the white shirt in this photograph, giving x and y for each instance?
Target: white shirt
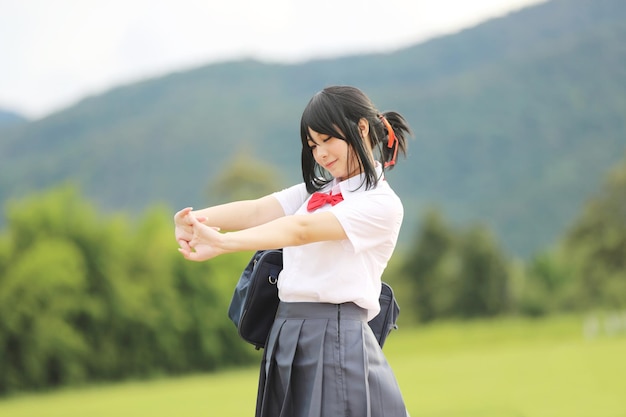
(348, 270)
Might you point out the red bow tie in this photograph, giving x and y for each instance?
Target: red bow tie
(319, 199)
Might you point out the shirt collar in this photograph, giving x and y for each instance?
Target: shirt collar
(356, 183)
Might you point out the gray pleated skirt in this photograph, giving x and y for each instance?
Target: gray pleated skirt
(322, 360)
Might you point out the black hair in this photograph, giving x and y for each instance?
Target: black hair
(336, 111)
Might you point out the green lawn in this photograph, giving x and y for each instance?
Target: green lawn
(510, 368)
(502, 368)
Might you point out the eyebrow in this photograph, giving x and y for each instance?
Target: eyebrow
(310, 139)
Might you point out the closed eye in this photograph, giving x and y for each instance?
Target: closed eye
(313, 144)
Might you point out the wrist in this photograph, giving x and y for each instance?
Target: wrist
(226, 243)
(198, 216)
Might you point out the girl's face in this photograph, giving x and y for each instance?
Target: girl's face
(334, 155)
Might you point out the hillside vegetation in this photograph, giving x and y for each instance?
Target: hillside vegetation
(515, 120)
(9, 118)
(87, 297)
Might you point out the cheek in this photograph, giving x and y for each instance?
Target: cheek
(314, 153)
(317, 158)
(351, 155)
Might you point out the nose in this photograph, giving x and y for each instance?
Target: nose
(320, 151)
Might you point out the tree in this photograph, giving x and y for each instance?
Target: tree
(42, 289)
(432, 267)
(548, 284)
(245, 177)
(484, 283)
(39, 295)
(457, 272)
(85, 297)
(596, 243)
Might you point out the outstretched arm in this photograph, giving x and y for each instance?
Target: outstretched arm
(231, 216)
(238, 215)
(242, 214)
(296, 230)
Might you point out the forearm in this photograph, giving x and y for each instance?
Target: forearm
(284, 231)
(240, 215)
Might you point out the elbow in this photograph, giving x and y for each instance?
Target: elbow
(313, 228)
(302, 233)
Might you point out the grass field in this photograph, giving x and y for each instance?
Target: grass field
(502, 368)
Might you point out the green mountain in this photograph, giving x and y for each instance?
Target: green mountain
(516, 122)
(9, 118)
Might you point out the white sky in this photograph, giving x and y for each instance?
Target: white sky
(55, 52)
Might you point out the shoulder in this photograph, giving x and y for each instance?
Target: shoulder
(382, 195)
(292, 198)
(377, 205)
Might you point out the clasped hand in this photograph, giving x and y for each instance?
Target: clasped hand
(196, 241)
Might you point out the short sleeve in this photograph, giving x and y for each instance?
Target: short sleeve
(370, 219)
(292, 198)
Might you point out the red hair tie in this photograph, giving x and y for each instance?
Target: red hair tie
(391, 141)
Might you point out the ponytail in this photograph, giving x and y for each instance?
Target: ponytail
(395, 131)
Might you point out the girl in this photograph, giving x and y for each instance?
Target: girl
(338, 229)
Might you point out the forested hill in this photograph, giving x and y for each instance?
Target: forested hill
(9, 118)
(516, 122)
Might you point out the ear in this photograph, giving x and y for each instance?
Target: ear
(364, 127)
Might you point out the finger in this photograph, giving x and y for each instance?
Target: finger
(183, 212)
(186, 253)
(180, 215)
(190, 256)
(195, 221)
(194, 241)
(184, 244)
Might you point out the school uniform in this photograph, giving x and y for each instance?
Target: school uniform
(321, 358)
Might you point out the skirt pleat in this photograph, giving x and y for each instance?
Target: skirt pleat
(323, 360)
